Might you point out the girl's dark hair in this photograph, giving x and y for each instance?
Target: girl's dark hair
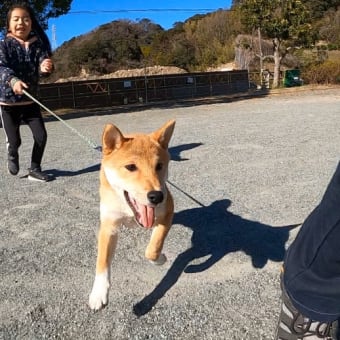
(36, 27)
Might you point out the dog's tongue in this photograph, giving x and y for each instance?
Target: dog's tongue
(146, 215)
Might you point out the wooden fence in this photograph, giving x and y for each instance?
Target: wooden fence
(120, 91)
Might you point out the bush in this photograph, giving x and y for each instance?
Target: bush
(333, 47)
(324, 73)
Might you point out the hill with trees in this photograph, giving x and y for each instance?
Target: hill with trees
(195, 45)
(296, 34)
(270, 35)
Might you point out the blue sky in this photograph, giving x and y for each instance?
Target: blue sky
(84, 16)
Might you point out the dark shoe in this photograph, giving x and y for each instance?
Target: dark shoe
(13, 164)
(294, 326)
(37, 175)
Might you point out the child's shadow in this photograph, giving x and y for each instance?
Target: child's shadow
(54, 173)
(217, 232)
(175, 151)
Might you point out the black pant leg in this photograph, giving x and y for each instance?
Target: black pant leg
(33, 118)
(312, 263)
(11, 119)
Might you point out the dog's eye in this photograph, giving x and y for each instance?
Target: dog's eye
(159, 166)
(131, 167)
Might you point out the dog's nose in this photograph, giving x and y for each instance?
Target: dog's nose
(155, 197)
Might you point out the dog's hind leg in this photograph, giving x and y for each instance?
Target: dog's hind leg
(107, 242)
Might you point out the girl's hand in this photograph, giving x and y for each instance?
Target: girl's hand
(18, 85)
(46, 66)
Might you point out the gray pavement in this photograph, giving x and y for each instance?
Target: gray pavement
(242, 173)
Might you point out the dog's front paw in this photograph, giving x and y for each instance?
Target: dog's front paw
(160, 261)
(100, 292)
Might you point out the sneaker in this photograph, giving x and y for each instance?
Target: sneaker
(294, 326)
(13, 164)
(37, 175)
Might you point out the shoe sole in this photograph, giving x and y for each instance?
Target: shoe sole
(36, 179)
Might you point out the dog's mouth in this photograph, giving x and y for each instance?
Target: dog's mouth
(144, 214)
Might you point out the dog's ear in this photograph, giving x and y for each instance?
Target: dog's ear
(163, 135)
(112, 139)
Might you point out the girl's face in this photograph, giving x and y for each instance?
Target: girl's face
(20, 23)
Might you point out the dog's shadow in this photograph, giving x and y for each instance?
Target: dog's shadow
(217, 232)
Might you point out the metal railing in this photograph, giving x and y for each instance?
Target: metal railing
(130, 90)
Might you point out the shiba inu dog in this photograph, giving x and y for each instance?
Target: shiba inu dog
(133, 175)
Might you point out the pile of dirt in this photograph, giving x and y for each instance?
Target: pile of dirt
(147, 71)
(223, 67)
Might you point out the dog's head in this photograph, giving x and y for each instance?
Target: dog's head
(136, 167)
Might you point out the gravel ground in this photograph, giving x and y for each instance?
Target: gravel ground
(242, 173)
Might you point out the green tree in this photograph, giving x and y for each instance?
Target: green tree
(213, 37)
(172, 48)
(44, 10)
(285, 22)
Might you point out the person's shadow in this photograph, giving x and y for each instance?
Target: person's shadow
(66, 173)
(217, 232)
(55, 173)
(175, 151)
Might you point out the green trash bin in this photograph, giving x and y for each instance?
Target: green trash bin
(292, 78)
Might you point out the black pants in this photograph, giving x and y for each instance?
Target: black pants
(12, 116)
(312, 263)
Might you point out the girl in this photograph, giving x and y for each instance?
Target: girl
(25, 54)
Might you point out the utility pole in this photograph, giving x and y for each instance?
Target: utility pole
(261, 55)
(54, 37)
(146, 49)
